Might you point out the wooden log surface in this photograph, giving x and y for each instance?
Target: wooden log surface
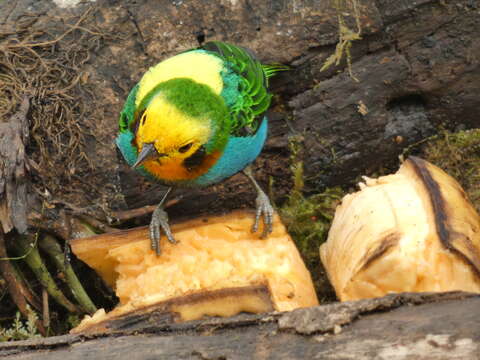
(416, 62)
(402, 326)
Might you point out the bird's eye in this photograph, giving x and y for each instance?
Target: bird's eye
(185, 148)
(144, 117)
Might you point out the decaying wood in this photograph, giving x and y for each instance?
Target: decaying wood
(404, 326)
(13, 182)
(135, 213)
(13, 201)
(408, 69)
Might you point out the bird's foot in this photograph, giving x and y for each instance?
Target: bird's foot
(159, 221)
(263, 209)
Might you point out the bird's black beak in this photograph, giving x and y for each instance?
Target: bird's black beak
(148, 152)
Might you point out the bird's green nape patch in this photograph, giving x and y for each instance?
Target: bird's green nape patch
(197, 101)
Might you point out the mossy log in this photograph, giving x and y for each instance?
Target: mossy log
(416, 63)
(404, 326)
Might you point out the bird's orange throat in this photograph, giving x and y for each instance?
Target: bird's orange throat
(175, 170)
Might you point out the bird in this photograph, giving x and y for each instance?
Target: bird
(195, 119)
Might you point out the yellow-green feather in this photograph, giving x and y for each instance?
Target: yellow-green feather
(185, 65)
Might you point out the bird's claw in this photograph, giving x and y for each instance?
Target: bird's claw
(263, 208)
(159, 220)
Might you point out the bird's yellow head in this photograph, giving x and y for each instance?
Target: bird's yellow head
(177, 141)
(173, 134)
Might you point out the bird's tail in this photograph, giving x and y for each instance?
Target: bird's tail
(271, 69)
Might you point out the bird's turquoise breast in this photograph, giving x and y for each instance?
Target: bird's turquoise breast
(239, 152)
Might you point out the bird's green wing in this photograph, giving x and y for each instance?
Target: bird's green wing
(253, 100)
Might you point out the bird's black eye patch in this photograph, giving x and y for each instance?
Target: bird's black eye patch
(144, 118)
(185, 148)
(196, 159)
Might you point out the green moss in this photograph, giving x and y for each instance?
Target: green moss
(20, 330)
(345, 35)
(71, 321)
(308, 220)
(458, 154)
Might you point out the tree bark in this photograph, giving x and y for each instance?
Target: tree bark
(413, 72)
(404, 326)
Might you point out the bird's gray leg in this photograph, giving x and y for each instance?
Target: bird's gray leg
(160, 220)
(263, 206)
